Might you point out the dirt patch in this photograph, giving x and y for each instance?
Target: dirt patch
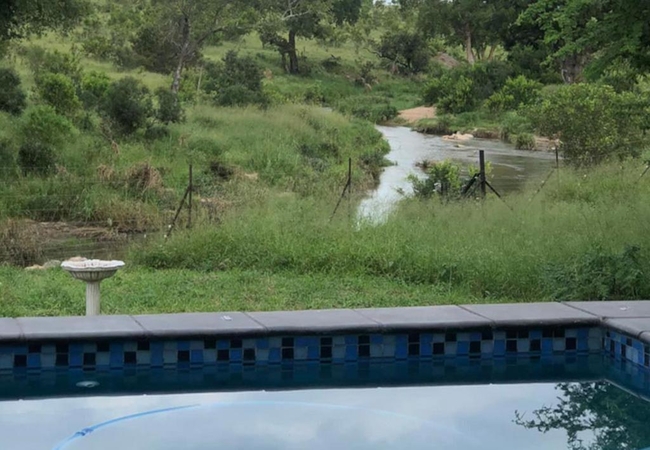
(414, 114)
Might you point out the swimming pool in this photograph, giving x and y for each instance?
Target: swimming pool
(541, 377)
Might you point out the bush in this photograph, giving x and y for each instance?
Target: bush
(169, 107)
(465, 87)
(599, 275)
(128, 105)
(58, 91)
(516, 93)
(440, 126)
(514, 124)
(525, 141)
(94, 87)
(235, 81)
(593, 122)
(42, 125)
(441, 178)
(36, 158)
(373, 108)
(406, 50)
(7, 159)
(43, 61)
(12, 97)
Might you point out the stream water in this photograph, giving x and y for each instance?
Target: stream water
(511, 169)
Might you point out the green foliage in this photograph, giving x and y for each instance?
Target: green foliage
(465, 87)
(58, 91)
(43, 126)
(36, 158)
(599, 275)
(128, 105)
(12, 96)
(7, 159)
(169, 108)
(236, 80)
(94, 87)
(375, 109)
(406, 51)
(42, 61)
(525, 141)
(22, 18)
(441, 179)
(513, 124)
(593, 122)
(516, 93)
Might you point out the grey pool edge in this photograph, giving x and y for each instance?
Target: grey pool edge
(631, 318)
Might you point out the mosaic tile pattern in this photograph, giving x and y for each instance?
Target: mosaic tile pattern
(622, 347)
(339, 349)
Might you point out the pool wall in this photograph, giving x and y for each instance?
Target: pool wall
(240, 340)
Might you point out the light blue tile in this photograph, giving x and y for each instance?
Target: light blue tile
(197, 345)
(439, 337)
(170, 357)
(338, 352)
(450, 349)
(6, 362)
(523, 345)
(143, 358)
(388, 350)
(300, 353)
(487, 347)
(376, 351)
(48, 360)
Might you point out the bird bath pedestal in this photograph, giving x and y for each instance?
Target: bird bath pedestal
(92, 271)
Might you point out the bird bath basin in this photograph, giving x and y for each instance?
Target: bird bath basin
(92, 272)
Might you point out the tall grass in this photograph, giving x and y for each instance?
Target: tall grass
(485, 249)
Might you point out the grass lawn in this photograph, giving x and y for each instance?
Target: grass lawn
(138, 290)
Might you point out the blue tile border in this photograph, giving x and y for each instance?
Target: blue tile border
(485, 344)
(475, 332)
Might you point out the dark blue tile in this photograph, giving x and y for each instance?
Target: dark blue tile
(583, 333)
(196, 356)
(376, 339)
(535, 334)
(183, 345)
(76, 359)
(351, 353)
(351, 340)
(476, 336)
(426, 339)
(275, 356)
(401, 350)
(34, 361)
(547, 346)
(223, 344)
(262, 343)
(462, 348)
(402, 339)
(236, 354)
(499, 347)
(313, 352)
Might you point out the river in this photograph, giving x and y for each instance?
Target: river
(511, 169)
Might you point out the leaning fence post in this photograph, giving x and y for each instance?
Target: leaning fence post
(189, 210)
(482, 177)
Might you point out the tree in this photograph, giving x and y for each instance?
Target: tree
(22, 17)
(595, 33)
(618, 420)
(190, 24)
(474, 24)
(302, 18)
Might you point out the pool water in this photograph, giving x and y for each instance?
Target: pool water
(442, 417)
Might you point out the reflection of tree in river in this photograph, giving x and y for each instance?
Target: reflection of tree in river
(618, 420)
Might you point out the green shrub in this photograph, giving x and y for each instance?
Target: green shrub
(169, 107)
(235, 81)
(599, 275)
(440, 126)
(593, 122)
(12, 97)
(36, 158)
(406, 51)
(43, 61)
(58, 91)
(42, 125)
(7, 158)
(514, 124)
(128, 105)
(465, 87)
(525, 141)
(441, 178)
(516, 93)
(94, 87)
(373, 108)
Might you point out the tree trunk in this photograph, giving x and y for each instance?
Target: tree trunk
(468, 46)
(182, 57)
(293, 54)
(491, 54)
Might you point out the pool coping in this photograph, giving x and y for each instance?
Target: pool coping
(631, 318)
